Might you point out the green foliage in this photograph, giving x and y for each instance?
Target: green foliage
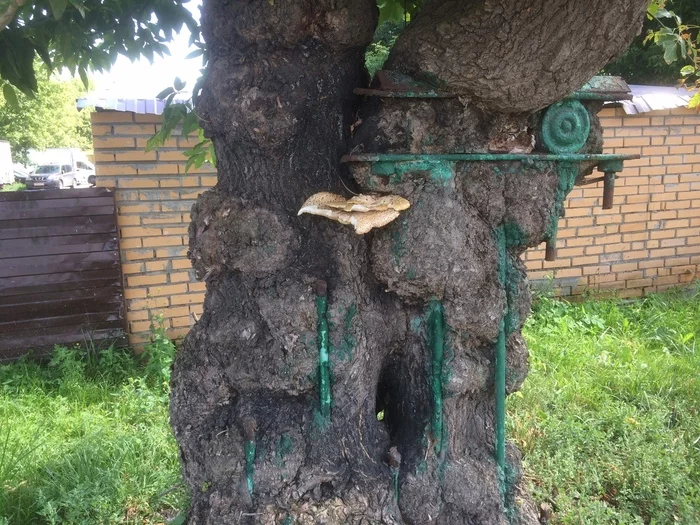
(15, 186)
(85, 438)
(48, 119)
(608, 418)
(378, 51)
(85, 35)
(643, 63)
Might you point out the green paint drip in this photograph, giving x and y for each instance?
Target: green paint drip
(515, 236)
(395, 480)
(289, 520)
(500, 365)
(250, 464)
(284, 447)
(324, 375)
(436, 324)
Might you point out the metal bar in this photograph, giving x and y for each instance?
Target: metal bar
(592, 181)
(485, 157)
(324, 375)
(500, 359)
(550, 251)
(608, 190)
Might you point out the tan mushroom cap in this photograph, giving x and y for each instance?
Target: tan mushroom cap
(364, 212)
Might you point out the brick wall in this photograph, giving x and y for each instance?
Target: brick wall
(649, 241)
(154, 197)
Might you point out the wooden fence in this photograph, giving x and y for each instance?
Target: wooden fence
(60, 273)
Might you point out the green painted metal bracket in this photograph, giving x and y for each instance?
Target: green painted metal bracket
(324, 373)
(436, 327)
(485, 157)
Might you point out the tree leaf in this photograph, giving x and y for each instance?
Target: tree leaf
(695, 101)
(179, 84)
(58, 7)
(687, 70)
(196, 53)
(163, 94)
(10, 96)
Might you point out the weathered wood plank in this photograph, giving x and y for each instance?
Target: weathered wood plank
(60, 275)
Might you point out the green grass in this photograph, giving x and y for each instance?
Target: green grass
(15, 186)
(85, 439)
(608, 418)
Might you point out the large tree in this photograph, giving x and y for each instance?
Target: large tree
(340, 378)
(250, 393)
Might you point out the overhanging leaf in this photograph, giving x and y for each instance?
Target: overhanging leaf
(58, 7)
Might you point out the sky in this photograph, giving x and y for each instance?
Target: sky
(142, 79)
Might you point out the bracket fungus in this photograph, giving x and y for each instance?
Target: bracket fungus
(363, 212)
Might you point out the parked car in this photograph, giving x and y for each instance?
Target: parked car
(20, 175)
(51, 176)
(62, 176)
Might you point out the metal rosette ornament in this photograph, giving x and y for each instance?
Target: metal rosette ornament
(565, 127)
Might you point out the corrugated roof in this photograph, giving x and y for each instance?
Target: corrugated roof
(653, 98)
(144, 106)
(644, 99)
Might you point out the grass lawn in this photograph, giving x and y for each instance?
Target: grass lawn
(608, 423)
(15, 186)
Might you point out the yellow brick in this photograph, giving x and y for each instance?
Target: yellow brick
(180, 264)
(162, 241)
(170, 252)
(102, 117)
(164, 218)
(135, 129)
(138, 254)
(128, 268)
(169, 182)
(177, 311)
(136, 156)
(148, 118)
(171, 289)
(138, 183)
(180, 277)
(182, 321)
(148, 303)
(139, 208)
(208, 181)
(140, 231)
(175, 230)
(134, 293)
(197, 287)
(176, 155)
(157, 266)
(157, 169)
(113, 169)
(113, 142)
(126, 244)
(145, 280)
(128, 220)
(101, 158)
(195, 298)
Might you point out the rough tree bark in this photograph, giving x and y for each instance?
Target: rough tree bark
(279, 107)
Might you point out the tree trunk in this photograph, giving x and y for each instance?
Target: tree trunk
(412, 312)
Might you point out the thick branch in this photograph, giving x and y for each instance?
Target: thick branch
(9, 12)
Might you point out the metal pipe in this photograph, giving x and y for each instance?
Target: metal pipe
(608, 189)
(324, 375)
(500, 358)
(550, 251)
